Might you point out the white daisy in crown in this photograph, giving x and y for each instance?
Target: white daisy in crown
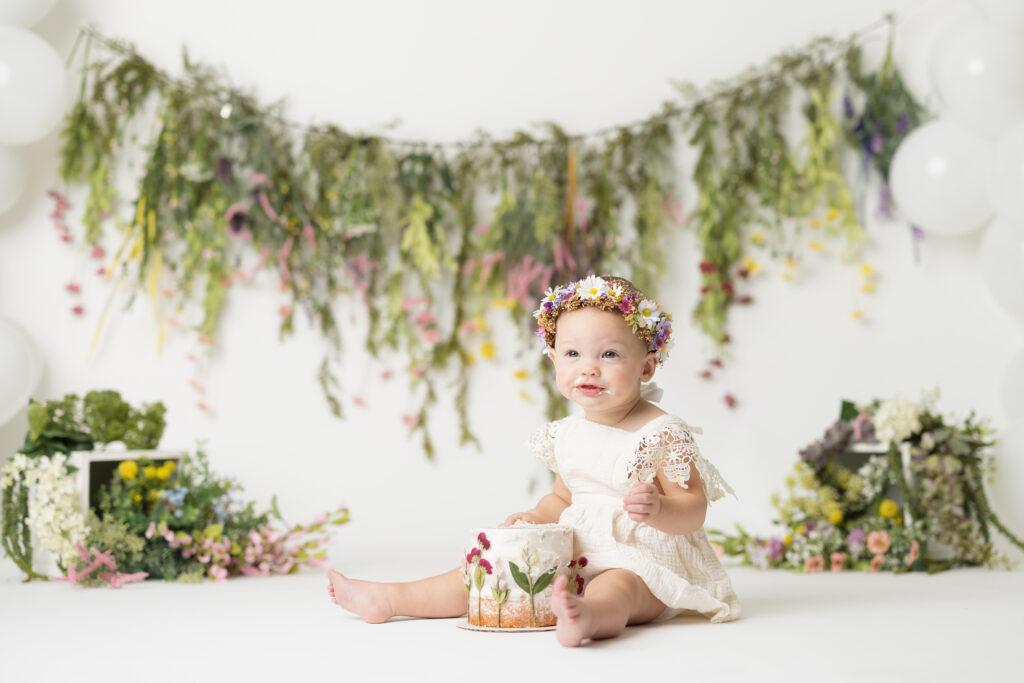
(615, 292)
(592, 287)
(647, 311)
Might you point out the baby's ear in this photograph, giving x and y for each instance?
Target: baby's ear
(551, 354)
(650, 365)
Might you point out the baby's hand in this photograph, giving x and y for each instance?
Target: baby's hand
(525, 516)
(642, 502)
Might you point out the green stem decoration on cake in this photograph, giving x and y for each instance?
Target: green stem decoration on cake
(525, 581)
(500, 596)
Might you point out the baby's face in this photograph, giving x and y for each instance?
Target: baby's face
(599, 362)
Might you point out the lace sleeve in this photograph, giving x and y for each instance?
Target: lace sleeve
(542, 444)
(674, 450)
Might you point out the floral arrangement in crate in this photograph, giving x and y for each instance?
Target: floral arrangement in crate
(891, 486)
(169, 520)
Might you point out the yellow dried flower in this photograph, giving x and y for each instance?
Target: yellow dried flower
(857, 314)
(867, 287)
(751, 265)
(487, 350)
(128, 469)
(866, 270)
(888, 509)
(521, 374)
(832, 213)
(757, 237)
(816, 246)
(835, 516)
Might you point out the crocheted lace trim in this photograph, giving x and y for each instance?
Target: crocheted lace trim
(674, 450)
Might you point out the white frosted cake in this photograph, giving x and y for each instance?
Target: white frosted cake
(509, 571)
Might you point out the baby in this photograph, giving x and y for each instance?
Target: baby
(629, 480)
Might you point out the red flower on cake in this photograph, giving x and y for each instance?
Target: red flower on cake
(582, 562)
(579, 585)
(473, 555)
(486, 565)
(482, 540)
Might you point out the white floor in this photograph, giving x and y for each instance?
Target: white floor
(964, 625)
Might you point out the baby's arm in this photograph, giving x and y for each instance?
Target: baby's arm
(548, 509)
(667, 506)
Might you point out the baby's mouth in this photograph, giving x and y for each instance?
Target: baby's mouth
(589, 389)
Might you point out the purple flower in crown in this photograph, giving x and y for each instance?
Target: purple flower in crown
(540, 333)
(482, 540)
(565, 293)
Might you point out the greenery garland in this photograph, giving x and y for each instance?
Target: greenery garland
(397, 225)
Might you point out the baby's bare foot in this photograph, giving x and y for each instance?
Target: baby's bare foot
(575, 618)
(364, 598)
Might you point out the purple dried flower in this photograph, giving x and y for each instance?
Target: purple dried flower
(902, 123)
(776, 548)
(847, 106)
(855, 540)
(876, 142)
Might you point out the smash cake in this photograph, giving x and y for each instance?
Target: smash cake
(508, 574)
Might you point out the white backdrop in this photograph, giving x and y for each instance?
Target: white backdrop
(444, 69)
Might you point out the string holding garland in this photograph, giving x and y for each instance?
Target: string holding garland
(397, 225)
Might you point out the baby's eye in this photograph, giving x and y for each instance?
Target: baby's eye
(610, 354)
(572, 354)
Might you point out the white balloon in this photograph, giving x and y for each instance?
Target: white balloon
(1012, 389)
(1006, 176)
(1004, 490)
(977, 73)
(1008, 13)
(20, 367)
(938, 178)
(24, 13)
(33, 87)
(12, 177)
(916, 36)
(1001, 258)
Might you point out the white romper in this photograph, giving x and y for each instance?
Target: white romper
(599, 464)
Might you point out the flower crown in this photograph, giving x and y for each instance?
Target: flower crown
(643, 315)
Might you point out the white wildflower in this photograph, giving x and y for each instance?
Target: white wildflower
(896, 419)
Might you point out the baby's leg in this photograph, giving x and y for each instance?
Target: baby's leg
(443, 595)
(614, 599)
